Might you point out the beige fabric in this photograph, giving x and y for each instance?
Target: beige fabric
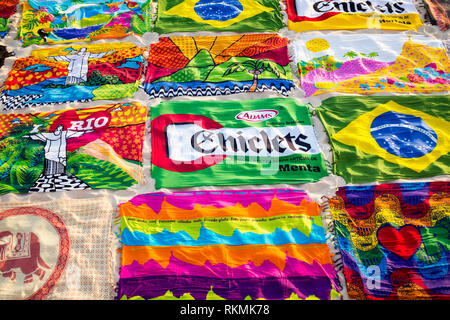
(75, 242)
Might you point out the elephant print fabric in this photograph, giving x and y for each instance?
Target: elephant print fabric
(44, 249)
(74, 149)
(218, 65)
(74, 73)
(393, 239)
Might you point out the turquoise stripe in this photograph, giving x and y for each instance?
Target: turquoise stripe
(208, 237)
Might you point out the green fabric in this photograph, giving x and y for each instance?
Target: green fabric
(357, 166)
(299, 167)
(256, 15)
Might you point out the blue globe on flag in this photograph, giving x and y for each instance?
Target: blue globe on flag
(219, 10)
(403, 135)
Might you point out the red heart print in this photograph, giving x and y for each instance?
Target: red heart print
(403, 242)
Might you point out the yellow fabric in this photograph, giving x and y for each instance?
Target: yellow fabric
(94, 48)
(360, 21)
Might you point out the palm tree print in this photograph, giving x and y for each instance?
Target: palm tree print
(255, 67)
(350, 55)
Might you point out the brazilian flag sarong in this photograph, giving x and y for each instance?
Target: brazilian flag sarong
(388, 138)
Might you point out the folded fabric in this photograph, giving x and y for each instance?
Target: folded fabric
(228, 244)
(218, 65)
(372, 63)
(307, 15)
(262, 141)
(218, 15)
(394, 240)
(61, 21)
(56, 250)
(439, 11)
(7, 9)
(74, 73)
(388, 138)
(75, 149)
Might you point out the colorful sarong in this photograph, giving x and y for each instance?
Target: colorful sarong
(370, 63)
(439, 11)
(56, 250)
(74, 73)
(7, 9)
(63, 21)
(307, 15)
(218, 15)
(262, 141)
(388, 138)
(394, 240)
(76, 149)
(222, 65)
(235, 244)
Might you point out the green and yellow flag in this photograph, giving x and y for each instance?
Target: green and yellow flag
(218, 15)
(387, 138)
